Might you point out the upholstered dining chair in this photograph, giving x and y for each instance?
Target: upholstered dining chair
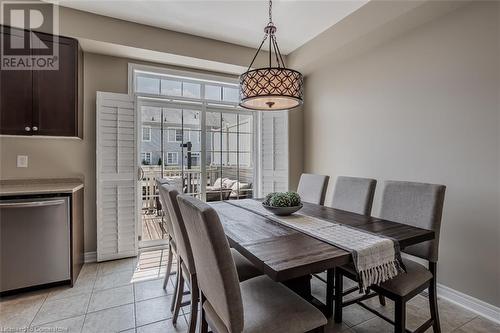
(253, 306)
(312, 188)
(419, 205)
(172, 244)
(354, 194)
(186, 266)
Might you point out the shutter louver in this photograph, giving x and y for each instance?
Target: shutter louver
(274, 152)
(116, 177)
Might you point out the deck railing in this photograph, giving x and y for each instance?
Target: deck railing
(188, 181)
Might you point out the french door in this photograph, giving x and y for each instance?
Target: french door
(209, 152)
(205, 152)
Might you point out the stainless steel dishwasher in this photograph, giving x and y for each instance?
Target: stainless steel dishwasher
(35, 242)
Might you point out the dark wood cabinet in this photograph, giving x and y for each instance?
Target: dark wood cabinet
(44, 102)
(16, 97)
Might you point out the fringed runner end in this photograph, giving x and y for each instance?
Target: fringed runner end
(378, 274)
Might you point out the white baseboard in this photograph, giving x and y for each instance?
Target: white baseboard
(470, 303)
(90, 257)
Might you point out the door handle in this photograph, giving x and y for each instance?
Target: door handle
(29, 204)
(27, 128)
(35, 128)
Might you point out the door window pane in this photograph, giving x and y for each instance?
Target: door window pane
(191, 119)
(229, 122)
(213, 92)
(191, 90)
(171, 88)
(148, 85)
(245, 142)
(213, 121)
(230, 94)
(245, 123)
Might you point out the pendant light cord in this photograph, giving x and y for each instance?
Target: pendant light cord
(270, 11)
(273, 44)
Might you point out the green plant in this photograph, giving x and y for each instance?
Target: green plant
(280, 200)
(294, 198)
(267, 200)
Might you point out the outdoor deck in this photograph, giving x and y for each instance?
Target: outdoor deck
(152, 227)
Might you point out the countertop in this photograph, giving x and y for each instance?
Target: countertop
(39, 186)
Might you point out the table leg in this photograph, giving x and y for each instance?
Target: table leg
(338, 296)
(330, 284)
(301, 286)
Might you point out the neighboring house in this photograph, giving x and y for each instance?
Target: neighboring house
(181, 128)
(172, 141)
(174, 135)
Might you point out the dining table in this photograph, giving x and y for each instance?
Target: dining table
(291, 257)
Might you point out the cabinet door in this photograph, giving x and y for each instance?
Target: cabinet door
(16, 102)
(55, 110)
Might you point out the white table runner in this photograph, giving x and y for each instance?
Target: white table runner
(376, 258)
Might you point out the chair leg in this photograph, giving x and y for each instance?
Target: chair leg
(338, 296)
(169, 265)
(194, 304)
(176, 287)
(381, 299)
(400, 317)
(178, 295)
(433, 305)
(203, 319)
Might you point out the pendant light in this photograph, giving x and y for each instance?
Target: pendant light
(271, 88)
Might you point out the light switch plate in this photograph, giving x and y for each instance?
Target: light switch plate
(22, 161)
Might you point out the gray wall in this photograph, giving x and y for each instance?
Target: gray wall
(422, 107)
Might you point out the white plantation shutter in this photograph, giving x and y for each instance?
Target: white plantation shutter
(273, 152)
(116, 177)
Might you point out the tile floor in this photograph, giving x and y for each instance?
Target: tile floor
(127, 296)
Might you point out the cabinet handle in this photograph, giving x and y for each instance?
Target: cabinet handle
(27, 128)
(35, 128)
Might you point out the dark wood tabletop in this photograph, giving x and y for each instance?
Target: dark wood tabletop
(284, 254)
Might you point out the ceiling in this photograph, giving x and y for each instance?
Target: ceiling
(236, 21)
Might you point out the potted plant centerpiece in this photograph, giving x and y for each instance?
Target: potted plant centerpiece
(282, 203)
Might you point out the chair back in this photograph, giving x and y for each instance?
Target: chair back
(179, 228)
(168, 221)
(312, 188)
(419, 205)
(354, 194)
(215, 268)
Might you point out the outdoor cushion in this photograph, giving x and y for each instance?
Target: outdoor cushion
(242, 186)
(270, 307)
(228, 183)
(218, 183)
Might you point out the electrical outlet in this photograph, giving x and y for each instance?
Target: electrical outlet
(22, 161)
